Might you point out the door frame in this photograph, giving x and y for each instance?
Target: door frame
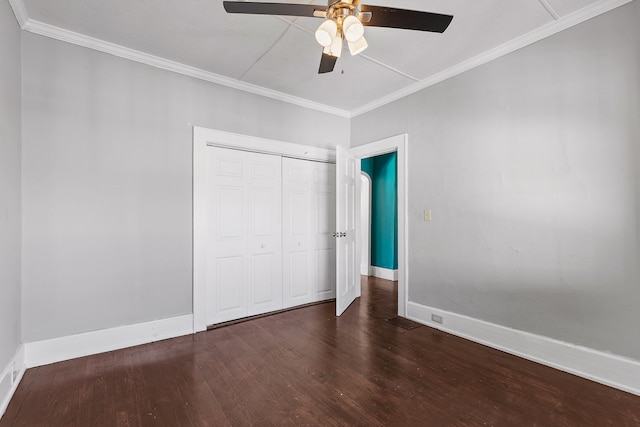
(366, 248)
(203, 138)
(398, 144)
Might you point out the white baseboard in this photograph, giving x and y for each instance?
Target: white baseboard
(383, 273)
(606, 368)
(70, 347)
(10, 378)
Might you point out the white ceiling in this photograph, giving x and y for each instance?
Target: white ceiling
(279, 56)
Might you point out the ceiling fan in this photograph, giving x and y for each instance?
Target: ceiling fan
(346, 19)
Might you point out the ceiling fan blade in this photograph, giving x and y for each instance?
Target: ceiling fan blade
(327, 63)
(408, 19)
(258, 8)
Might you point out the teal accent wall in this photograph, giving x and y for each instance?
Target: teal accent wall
(384, 204)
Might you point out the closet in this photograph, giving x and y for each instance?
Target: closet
(269, 238)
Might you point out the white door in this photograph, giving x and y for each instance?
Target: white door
(297, 214)
(324, 224)
(244, 236)
(347, 210)
(308, 217)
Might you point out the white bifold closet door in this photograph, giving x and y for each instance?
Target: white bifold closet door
(244, 234)
(309, 223)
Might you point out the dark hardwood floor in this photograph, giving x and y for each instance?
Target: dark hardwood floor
(307, 367)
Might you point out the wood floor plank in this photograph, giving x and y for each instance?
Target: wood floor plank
(307, 367)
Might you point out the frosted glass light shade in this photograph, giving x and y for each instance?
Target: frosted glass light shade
(336, 46)
(352, 28)
(326, 32)
(358, 46)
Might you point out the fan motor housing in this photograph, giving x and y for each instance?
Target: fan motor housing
(339, 11)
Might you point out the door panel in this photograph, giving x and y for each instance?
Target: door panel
(298, 213)
(299, 275)
(326, 272)
(230, 208)
(229, 166)
(347, 169)
(264, 212)
(309, 220)
(324, 227)
(230, 270)
(244, 234)
(264, 169)
(324, 218)
(264, 244)
(262, 282)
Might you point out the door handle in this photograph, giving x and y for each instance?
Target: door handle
(340, 234)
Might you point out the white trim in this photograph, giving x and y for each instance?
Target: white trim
(549, 9)
(199, 252)
(384, 273)
(203, 137)
(606, 368)
(72, 37)
(20, 11)
(540, 33)
(16, 365)
(399, 144)
(365, 265)
(70, 347)
(531, 37)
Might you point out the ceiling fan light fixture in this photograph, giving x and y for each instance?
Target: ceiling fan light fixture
(352, 28)
(344, 19)
(326, 33)
(358, 46)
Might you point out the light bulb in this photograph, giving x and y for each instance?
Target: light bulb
(326, 32)
(358, 46)
(352, 28)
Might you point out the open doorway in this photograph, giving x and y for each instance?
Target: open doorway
(382, 215)
(398, 145)
(379, 229)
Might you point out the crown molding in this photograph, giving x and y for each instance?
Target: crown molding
(547, 30)
(538, 34)
(549, 9)
(20, 11)
(72, 37)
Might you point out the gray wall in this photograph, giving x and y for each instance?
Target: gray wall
(107, 182)
(9, 185)
(531, 165)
